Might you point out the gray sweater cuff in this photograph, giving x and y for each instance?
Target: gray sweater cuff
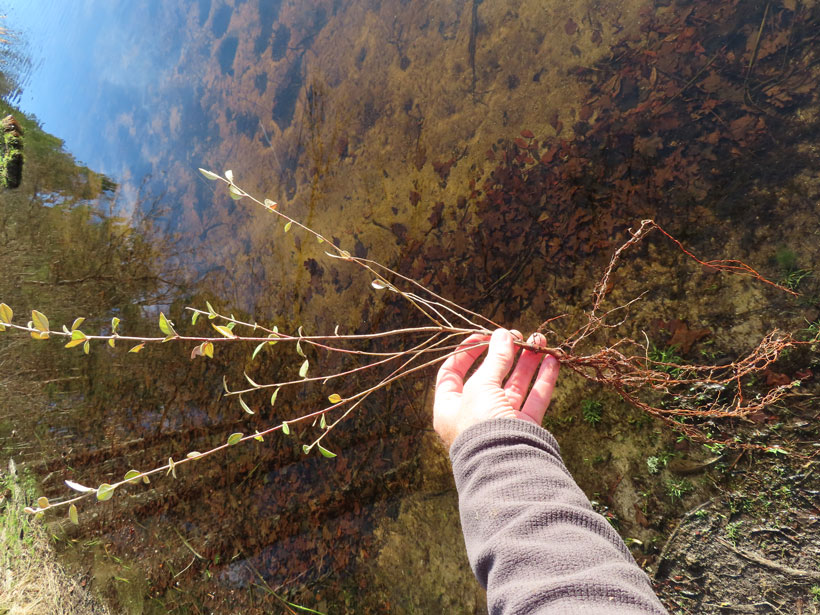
(532, 537)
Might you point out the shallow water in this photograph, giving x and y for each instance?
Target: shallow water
(495, 151)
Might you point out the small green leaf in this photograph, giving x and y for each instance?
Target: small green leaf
(87, 346)
(270, 204)
(251, 382)
(234, 438)
(257, 349)
(42, 501)
(193, 455)
(231, 325)
(229, 175)
(72, 515)
(258, 437)
(76, 334)
(146, 480)
(304, 369)
(77, 322)
(211, 311)
(76, 342)
(322, 422)
(335, 398)
(131, 475)
(40, 321)
(324, 451)
(165, 325)
(104, 492)
(208, 174)
(273, 397)
(115, 322)
(306, 449)
(138, 347)
(208, 349)
(6, 314)
(225, 383)
(245, 406)
(37, 335)
(319, 239)
(235, 193)
(194, 318)
(172, 467)
(288, 225)
(78, 487)
(111, 342)
(299, 350)
(224, 330)
(285, 428)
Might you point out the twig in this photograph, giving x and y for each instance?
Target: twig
(797, 573)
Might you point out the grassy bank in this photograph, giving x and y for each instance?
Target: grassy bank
(31, 581)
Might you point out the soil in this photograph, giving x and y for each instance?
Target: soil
(754, 547)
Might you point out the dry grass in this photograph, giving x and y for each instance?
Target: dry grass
(31, 580)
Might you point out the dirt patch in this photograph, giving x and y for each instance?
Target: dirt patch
(752, 549)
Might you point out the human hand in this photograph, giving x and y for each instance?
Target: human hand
(486, 394)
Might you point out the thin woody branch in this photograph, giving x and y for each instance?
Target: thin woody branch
(668, 390)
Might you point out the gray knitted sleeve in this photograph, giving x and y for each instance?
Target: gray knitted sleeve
(533, 540)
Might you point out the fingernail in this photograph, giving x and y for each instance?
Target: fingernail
(517, 335)
(536, 339)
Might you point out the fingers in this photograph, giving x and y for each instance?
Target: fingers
(499, 360)
(450, 377)
(541, 393)
(519, 381)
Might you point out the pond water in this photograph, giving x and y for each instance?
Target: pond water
(496, 151)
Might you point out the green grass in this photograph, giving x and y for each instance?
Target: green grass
(592, 411)
(676, 489)
(17, 530)
(666, 355)
(733, 531)
(31, 580)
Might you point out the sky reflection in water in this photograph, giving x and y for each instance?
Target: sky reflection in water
(99, 75)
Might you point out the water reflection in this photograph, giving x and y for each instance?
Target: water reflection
(494, 152)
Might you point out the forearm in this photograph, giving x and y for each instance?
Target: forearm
(532, 537)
